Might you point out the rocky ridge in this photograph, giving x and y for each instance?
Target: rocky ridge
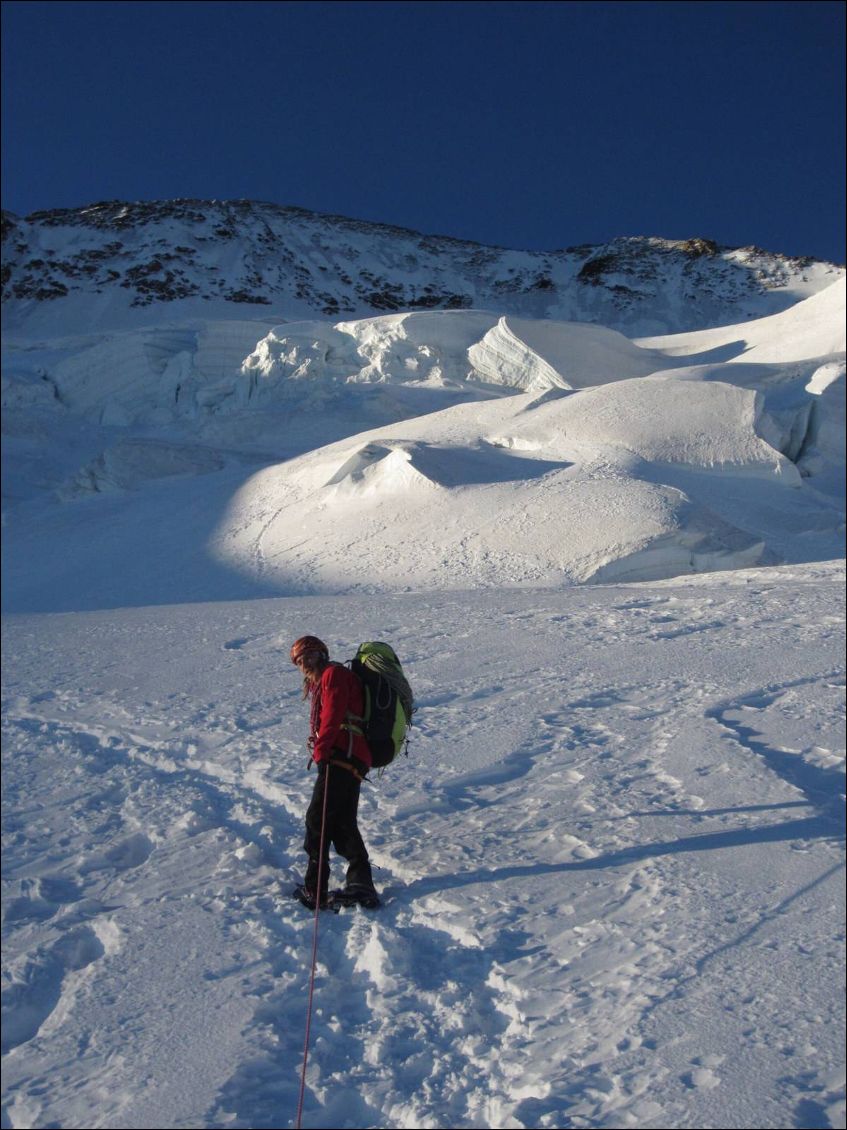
(232, 257)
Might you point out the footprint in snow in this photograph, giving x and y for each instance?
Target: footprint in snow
(37, 984)
(123, 856)
(40, 899)
(237, 644)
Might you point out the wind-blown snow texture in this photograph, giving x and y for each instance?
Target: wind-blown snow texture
(612, 865)
(596, 501)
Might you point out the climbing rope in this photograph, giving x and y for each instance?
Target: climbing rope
(314, 956)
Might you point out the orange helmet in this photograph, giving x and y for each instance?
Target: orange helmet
(307, 643)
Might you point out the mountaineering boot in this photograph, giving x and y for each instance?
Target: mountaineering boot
(306, 895)
(355, 894)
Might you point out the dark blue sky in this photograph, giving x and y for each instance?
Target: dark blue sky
(536, 125)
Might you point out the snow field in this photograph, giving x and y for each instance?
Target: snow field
(612, 866)
(423, 451)
(639, 479)
(808, 329)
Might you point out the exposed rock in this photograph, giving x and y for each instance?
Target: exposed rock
(305, 263)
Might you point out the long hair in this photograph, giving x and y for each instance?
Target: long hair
(312, 682)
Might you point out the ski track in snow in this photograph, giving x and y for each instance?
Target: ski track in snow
(560, 819)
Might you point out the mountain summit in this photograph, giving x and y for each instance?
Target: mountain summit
(126, 264)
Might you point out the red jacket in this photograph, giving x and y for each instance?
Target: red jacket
(338, 695)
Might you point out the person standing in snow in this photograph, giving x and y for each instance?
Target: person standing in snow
(343, 758)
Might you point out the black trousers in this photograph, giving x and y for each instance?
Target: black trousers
(342, 828)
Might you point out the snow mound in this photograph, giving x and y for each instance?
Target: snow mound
(535, 355)
(202, 371)
(448, 448)
(701, 424)
(429, 348)
(448, 348)
(529, 489)
(375, 469)
(473, 536)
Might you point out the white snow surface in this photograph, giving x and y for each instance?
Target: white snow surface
(806, 330)
(612, 865)
(430, 451)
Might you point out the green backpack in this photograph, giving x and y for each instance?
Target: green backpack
(389, 703)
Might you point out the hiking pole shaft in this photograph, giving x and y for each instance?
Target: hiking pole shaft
(314, 952)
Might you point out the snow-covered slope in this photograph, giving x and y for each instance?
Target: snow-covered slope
(192, 455)
(119, 265)
(810, 329)
(506, 452)
(513, 492)
(612, 865)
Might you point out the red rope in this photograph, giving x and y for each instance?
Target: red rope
(314, 956)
